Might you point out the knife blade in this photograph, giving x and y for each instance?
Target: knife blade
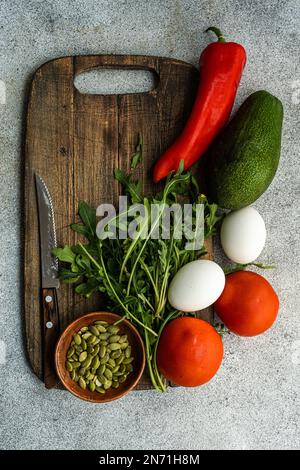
(49, 280)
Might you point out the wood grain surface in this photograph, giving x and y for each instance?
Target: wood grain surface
(74, 141)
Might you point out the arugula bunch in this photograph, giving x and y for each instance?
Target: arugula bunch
(134, 274)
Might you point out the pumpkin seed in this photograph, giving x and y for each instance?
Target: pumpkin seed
(90, 348)
(118, 374)
(128, 352)
(104, 336)
(111, 362)
(82, 356)
(115, 346)
(95, 350)
(102, 351)
(114, 339)
(113, 330)
(108, 374)
(87, 335)
(120, 359)
(94, 330)
(77, 339)
(101, 328)
(82, 383)
(87, 362)
(104, 359)
(102, 379)
(96, 363)
(107, 385)
(70, 352)
(87, 375)
(98, 357)
(116, 354)
(91, 339)
(128, 360)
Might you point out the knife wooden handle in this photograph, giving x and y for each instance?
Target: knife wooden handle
(51, 330)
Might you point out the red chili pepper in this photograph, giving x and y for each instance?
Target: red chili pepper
(221, 66)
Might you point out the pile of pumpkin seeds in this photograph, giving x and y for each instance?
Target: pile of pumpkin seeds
(99, 357)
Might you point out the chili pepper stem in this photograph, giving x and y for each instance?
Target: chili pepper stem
(218, 33)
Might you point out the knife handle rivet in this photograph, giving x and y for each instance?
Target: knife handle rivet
(48, 299)
(49, 324)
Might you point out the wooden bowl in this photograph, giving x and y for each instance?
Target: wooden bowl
(138, 352)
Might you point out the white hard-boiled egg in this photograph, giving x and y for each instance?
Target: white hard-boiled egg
(196, 285)
(243, 235)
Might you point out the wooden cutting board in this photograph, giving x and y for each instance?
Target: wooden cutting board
(74, 141)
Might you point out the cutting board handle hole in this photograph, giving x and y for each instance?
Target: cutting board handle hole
(115, 81)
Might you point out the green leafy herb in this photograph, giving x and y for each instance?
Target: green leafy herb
(82, 229)
(64, 254)
(134, 273)
(88, 217)
(138, 155)
(131, 188)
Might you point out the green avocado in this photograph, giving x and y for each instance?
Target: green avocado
(242, 161)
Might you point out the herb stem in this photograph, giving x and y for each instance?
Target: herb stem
(149, 362)
(171, 315)
(113, 290)
(146, 269)
(141, 252)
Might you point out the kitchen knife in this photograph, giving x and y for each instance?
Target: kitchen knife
(49, 281)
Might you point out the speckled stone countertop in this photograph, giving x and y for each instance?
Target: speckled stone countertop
(253, 403)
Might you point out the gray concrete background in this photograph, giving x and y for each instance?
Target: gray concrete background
(253, 403)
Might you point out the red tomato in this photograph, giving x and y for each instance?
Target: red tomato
(248, 304)
(190, 351)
